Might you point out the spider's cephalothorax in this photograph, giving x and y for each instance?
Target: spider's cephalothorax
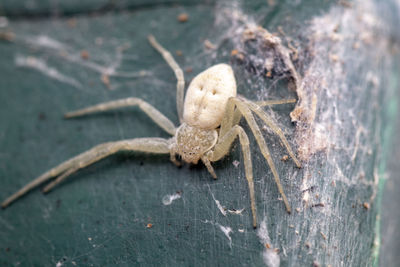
(209, 117)
(193, 142)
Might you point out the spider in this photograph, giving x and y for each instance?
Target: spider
(209, 117)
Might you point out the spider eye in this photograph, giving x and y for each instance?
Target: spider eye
(214, 92)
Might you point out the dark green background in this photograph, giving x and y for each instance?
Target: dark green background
(99, 216)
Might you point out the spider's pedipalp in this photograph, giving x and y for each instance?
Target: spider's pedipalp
(151, 111)
(151, 145)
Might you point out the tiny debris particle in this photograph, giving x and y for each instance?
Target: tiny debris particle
(168, 199)
(281, 31)
(89, 238)
(149, 225)
(323, 235)
(285, 158)
(291, 226)
(241, 230)
(178, 53)
(334, 57)
(311, 189)
(7, 36)
(267, 245)
(269, 75)
(236, 163)
(84, 54)
(106, 80)
(345, 3)
(237, 212)
(366, 205)
(356, 45)
(315, 264)
(183, 17)
(42, 116)
(99, 41)
(3, 22)
(209, 45)
(308, 245)
(318, 205)
(188, 69)
(71, 22)
(8, 249)
(298, 209)
(234, 52)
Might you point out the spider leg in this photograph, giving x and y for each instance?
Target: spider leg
(205, 159)
(222, 148)
(262, 145)
(237, 116)
(151, 145)
(275, 102)
(180, 85)
(151, 111)
(264, 116)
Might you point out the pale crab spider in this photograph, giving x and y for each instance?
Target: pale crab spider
(209, 118)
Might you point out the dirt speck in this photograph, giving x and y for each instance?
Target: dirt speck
(42, 116)
(183, 17)
(72, 22)
(84, 54)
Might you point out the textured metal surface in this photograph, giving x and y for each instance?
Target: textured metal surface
(116, 212)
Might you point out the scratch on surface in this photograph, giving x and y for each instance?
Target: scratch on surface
(270, 255)
(168, 199)
(40, 65)
(227, 231)
(47, 42)
(344, 179)
(6, 224)
(236, 212)
(221, 208)
(68, 54)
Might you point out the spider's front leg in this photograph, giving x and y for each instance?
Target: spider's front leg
(151, 111)
(65, 169)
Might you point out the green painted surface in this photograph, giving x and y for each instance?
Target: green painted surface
(100, 215)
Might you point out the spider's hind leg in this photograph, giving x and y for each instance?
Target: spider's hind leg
(246, 112)
(269, 122)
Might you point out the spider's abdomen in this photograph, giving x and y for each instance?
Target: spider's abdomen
(207, 96)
